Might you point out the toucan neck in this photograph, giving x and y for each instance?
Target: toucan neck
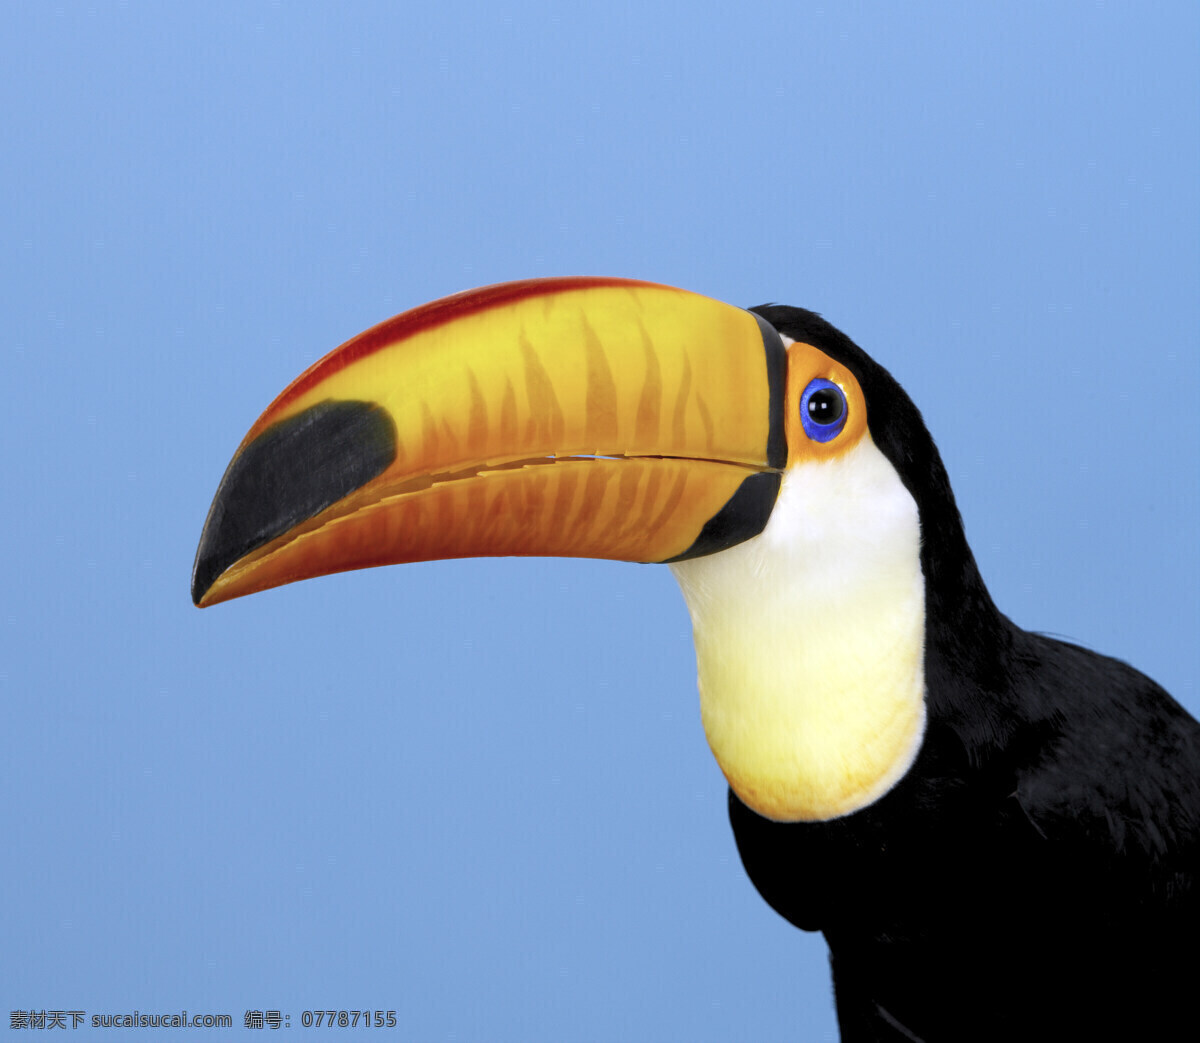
(809, 642)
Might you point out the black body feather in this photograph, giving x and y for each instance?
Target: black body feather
(1034, 874)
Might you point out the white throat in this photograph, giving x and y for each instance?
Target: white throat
(810, 642)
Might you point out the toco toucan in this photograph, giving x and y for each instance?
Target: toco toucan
(998, 833)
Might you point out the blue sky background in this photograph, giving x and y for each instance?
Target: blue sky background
(478, 792)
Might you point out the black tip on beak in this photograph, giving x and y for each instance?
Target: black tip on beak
(289, 473)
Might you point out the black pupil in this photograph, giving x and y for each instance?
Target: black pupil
(825, 406)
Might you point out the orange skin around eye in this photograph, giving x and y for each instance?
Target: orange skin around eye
(806, 364)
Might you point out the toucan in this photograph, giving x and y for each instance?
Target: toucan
(998, 833)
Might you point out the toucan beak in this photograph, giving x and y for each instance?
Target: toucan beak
(597, 418)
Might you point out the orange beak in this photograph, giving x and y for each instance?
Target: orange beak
(599, 418)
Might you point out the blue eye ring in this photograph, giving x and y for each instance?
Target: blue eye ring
(823, 410)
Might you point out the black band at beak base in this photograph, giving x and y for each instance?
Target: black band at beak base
(744, 515)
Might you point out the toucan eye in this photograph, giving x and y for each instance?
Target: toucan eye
(823, 410)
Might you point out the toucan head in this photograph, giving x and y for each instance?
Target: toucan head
(608, 418)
